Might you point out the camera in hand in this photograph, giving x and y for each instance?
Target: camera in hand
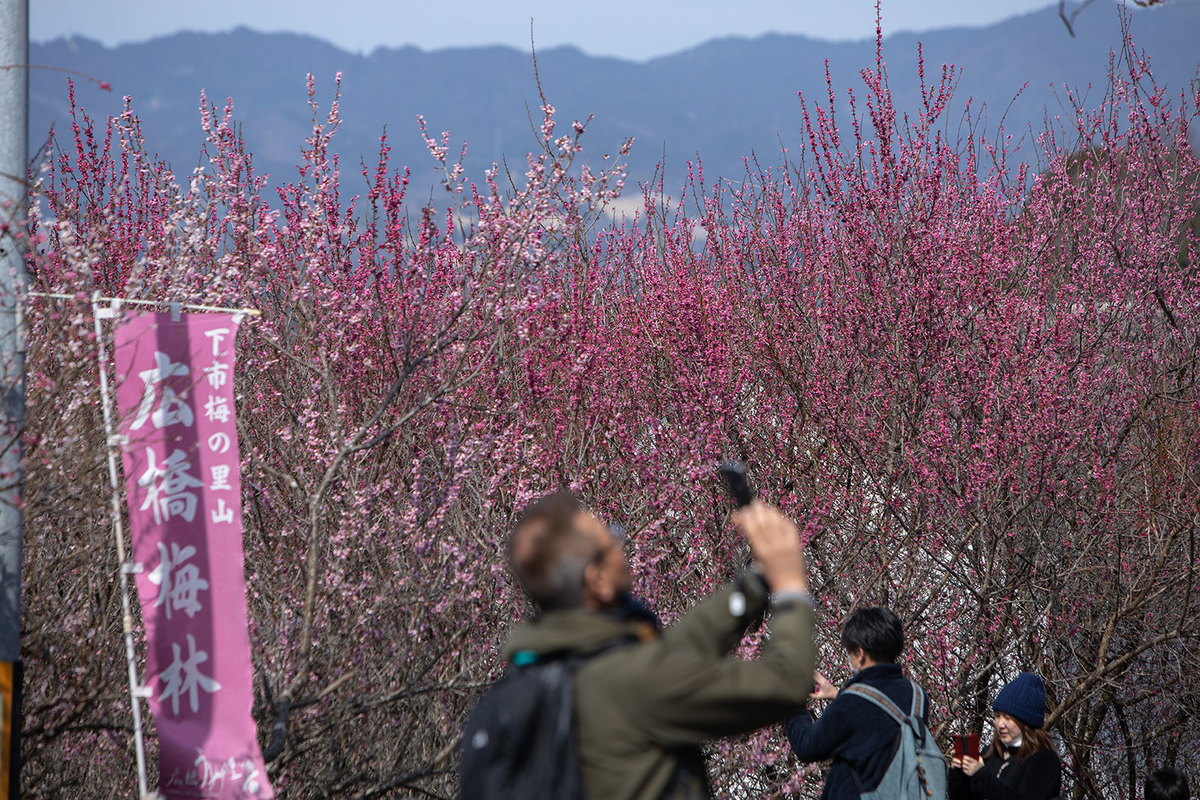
(736, 481)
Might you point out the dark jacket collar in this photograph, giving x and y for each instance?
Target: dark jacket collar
(879, 672)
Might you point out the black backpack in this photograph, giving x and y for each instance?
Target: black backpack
(520, 740)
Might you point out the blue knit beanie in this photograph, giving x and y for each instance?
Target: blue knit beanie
(1024, 697)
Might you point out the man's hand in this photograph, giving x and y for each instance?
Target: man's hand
(823, 689)
(776, 545)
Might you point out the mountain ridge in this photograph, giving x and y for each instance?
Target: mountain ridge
(724, 99)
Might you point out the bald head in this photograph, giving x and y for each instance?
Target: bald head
(548, 551)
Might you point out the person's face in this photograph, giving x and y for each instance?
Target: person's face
(1006, 728)
(606, 579)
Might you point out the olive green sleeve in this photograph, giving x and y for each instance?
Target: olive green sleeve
(679, 693)
(716, 625)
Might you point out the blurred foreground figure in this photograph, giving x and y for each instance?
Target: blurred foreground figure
(597, 702)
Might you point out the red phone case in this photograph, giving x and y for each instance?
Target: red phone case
(967, 744)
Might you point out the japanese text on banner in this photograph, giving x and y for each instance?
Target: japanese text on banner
(183, 484)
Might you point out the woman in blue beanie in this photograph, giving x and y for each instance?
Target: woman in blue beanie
(1021, 763)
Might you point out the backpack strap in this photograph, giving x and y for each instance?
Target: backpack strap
(526, 658)
(918, 701)
(883, 701)
(878, 698)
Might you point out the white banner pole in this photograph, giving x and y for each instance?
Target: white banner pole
(136, 689)
(123, 301)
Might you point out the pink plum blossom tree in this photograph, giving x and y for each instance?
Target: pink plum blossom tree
(968, 370)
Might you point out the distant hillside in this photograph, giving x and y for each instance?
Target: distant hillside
(724, 99)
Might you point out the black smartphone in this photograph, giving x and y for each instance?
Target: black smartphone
(736, 481)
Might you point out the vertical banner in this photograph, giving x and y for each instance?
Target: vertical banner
(183, 486)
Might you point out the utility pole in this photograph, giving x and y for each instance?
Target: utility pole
(14, 163)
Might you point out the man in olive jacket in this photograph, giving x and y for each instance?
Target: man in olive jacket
(646, 701)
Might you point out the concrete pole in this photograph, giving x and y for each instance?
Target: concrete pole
(14, 162)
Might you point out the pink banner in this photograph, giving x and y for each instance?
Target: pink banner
(183, 486)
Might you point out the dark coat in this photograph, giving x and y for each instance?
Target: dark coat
(1038, 777)
(858, 735)
(643, 710)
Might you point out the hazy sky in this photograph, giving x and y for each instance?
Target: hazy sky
(636, 29)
